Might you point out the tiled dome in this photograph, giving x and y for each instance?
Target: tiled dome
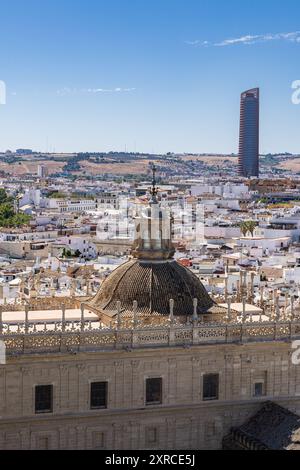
(152, 284)
(153, 277)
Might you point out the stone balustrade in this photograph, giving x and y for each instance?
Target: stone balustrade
(73, 337)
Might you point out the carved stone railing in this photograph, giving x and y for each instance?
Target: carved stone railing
(47, 303)
(73, 337)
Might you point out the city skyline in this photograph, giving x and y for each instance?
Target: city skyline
(170, 80)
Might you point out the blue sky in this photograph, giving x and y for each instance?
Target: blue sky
(147, 75)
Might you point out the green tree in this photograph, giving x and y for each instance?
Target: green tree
(248, 226)
(6, 211)
(8, 217)
(3, 196)
(252, 226)
(244, 228)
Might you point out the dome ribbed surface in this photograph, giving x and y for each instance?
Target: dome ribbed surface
(152, 285)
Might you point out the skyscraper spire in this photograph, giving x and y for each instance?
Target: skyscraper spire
(249, 134)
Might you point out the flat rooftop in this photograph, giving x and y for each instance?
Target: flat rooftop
(47, 316)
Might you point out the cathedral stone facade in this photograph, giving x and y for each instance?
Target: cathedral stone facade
(184, 415)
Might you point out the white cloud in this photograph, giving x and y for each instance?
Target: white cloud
(250, 39)
(108, 90)
(75, 91)
(242, 40)
(198, 43)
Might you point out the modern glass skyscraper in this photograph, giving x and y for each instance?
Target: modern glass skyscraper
(249, 134)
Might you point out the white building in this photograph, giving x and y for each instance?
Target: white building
(70, 205)
(42, 171)
(75, 244)
(268, 245)
(31, 197)
(228, 190)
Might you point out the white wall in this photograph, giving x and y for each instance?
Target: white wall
(222, 232)
(292, 275)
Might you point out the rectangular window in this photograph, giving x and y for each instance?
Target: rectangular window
(98, 440)
(43, 443)
(154, 391)
(151, 436)
(99, 395)
(211, 387)
(44, 399)
(259, 389)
